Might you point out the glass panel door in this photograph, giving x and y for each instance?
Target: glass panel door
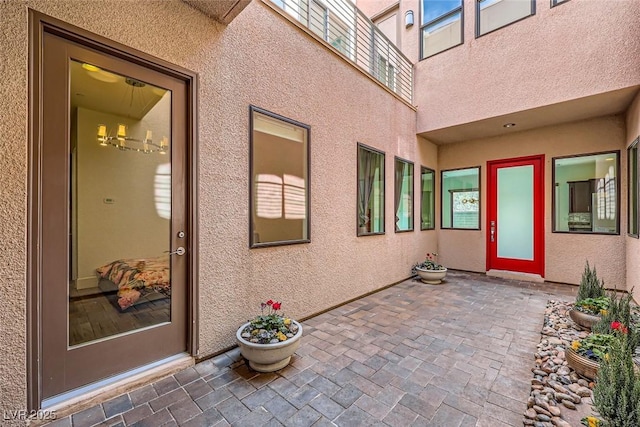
(515, 215)
(515, 212)
(112, 217)
(120, 278)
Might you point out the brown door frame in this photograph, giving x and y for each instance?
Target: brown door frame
(39, 24)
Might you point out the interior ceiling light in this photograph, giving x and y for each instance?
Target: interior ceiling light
(508, 125)
(90, 67)
(99, 74)
(127, 143)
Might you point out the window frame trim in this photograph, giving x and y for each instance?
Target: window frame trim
(413, 201)
(555, 3)
(554, 202)
(477, 29)
(433, 197)
(384, 186)
(634, 144)
(478, 188)
(435, 21)
(252, 245)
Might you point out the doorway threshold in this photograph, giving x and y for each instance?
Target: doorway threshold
(101, 391)
(516, 275)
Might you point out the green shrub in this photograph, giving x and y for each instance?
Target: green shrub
(590, 285)
(619, 311)
(617, 392)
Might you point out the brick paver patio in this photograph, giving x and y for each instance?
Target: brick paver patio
(457, 354)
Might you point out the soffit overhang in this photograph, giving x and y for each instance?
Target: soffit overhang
(223, 11)
(603, 104)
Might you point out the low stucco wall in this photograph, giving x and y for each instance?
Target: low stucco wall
(258, 59)
(633, 244)
(565, 253)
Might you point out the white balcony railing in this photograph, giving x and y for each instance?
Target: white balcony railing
(341, 24)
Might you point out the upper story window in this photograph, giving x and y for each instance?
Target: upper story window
(585, 196)
(441, 26)
(494, 14)
(460, 201)
(279, 180)
(557, 2)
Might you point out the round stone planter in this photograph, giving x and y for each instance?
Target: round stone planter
(432, 277)
(582, 365)
(268, 357)
(583, 319)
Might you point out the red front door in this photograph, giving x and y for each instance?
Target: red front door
(515, 215)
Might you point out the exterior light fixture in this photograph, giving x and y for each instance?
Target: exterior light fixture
(408, 18)
(508, 125)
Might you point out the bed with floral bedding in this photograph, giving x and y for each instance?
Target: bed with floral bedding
(136, 280)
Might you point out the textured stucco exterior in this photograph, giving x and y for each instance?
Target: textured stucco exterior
(570, 51)
(633, 244)
(258, 59)
(262, 59)
(565, 254)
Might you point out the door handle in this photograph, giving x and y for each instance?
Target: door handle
(493, 231)
(180, 251)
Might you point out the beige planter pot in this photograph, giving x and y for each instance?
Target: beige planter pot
(268, 357)
(582, 365)
(583, 319)
(432, 277)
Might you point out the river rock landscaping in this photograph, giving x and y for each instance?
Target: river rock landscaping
(559, 396)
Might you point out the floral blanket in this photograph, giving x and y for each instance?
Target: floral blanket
(136, 277)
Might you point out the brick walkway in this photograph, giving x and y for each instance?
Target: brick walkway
(457, 354)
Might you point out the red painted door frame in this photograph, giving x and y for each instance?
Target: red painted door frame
(535, 266)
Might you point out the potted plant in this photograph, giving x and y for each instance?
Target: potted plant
(429, 270)
(591, 301)
(618, 322)
(585, 355)
(588, 311)
(269, 340)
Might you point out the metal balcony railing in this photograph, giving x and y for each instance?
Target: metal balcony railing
(341, 24)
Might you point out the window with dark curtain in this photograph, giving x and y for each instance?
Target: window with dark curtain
(403, 194)
(370, 191)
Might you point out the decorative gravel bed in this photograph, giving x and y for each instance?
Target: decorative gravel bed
(559, 397)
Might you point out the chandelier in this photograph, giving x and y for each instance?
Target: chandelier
(120, 140)
(127, 143)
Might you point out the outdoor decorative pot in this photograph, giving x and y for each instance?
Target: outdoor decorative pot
(583, 319)
(268, 357)
(582, 365)
(432, 277)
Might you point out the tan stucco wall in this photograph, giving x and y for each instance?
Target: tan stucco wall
(565, 253)
(633, 244)
(573, 50)
(258, 59)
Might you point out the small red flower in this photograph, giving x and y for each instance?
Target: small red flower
(270, 302)
(277, 305)
(615, 325)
